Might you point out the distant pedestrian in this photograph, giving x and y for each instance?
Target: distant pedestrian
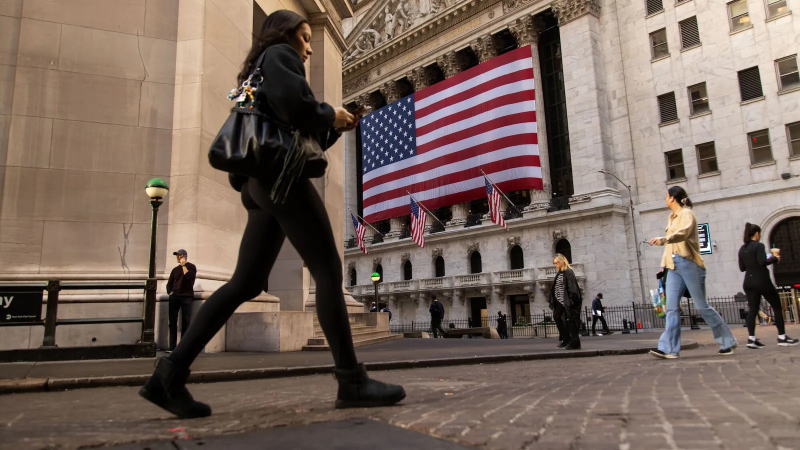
(753, 261)
(387, 310)
(684, 268)
(437, 315)
(566, 300)
(502, 325)
(180, 288)
(598, 313)
(373, 307)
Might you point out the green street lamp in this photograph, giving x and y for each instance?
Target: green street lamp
(376, 278)
(156, 189)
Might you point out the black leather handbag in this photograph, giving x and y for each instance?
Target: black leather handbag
(252, 143)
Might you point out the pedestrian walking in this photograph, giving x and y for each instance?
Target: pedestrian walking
(284, 41)
(373, 307)
(753, 261)
(387, 310)
(598, 313)
(437, 315)
(502, 325)
(565, 301)
(684, 268)
(180, 288)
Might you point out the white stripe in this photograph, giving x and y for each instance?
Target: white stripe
(511, 88)
(469, 163)
(513, 66)
(454, 188)
(478, 119)
(491, 135)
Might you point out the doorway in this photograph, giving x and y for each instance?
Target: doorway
(476, 305)
(520, 309)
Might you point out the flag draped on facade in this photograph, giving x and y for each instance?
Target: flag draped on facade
(493, 195)
(435, 142)
(360, 230)
(418, 218)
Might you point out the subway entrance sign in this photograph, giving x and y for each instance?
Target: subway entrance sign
(704, 236)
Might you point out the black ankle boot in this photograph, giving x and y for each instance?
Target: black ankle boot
(167, 389)
(356, 390)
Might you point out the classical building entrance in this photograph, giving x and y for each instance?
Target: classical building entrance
(476, 304)
(520, 308)
(786, 236)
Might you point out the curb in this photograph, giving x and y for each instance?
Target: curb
(21, 385)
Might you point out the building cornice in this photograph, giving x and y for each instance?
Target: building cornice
(569, 10)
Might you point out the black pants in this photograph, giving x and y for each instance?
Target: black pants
(436, 324)
(601, 319)
(304, 221)
(183, 304)
(754, 302)
(568, 321)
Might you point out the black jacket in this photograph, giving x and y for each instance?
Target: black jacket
(574, 297)
(753, 261)
(436, 310)
(289, 99)
(182, 284)
(597, 305)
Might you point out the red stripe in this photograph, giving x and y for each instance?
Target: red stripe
(513, 119)
(505, 58)
(455, 177)
(508, 99)
(458, 197)
(497, 144)
(472, 92)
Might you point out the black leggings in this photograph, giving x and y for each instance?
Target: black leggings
(304, 221)
(754, 302)
(568, 322)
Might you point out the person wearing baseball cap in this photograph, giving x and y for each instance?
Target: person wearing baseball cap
(180, 288)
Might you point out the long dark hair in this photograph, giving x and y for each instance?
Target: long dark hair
(750, 229)
(680, 196)
(279, 28)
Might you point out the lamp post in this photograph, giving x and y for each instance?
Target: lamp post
(376, 278)
(635, 233)
(156, 189)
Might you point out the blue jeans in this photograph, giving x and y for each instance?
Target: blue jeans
(688, 275)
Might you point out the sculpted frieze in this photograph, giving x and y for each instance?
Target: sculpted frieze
(569, 10)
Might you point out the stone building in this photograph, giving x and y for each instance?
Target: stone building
(97, 97)
(633, 97)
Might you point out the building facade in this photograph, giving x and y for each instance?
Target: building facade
(633, 97)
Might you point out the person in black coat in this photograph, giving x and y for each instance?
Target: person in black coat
(285, 43)
(753, 261)
(598, 313)
(437, 315)
(565, 301)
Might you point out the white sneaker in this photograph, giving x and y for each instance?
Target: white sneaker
(756, 344)
(787, 342)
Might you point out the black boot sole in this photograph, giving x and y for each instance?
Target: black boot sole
(156, 400)
(342, 404)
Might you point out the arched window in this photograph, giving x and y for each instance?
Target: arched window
(786, 236)
(407, 273)
(516, 260)
(353, 278)
(563, 247)
(475, 265)
(379, 269)
(438, 267)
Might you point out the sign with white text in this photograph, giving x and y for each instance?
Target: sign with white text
(20, 304)
(704, 235)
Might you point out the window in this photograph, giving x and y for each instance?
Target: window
(353, 278)
(738, 15)
(776, 8)
(675, 169)
(658, 44)
(788, 77)
(793, 136)
(563, 247)
(750, 84)
(379, 270)
(760, 150)
(667, 108)
(706, 158)
(407, 270)
(475, 264)
(698, 99)
(690, 33)
(654, 6)
(438, 265)
(516, 260)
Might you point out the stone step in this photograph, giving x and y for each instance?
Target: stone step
(356, 342)
(353, 329)
(364, 334)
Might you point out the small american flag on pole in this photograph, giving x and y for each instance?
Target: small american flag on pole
(418, 217)
(435, 141)
(360, 230)
(493, 194)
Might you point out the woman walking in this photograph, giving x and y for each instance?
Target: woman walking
(684, 269)
(285, 42)
(565, 301)
(753, 261)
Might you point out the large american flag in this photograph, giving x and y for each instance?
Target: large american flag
(435, 142)
(494, 204)
(360, 230)
(418, 217)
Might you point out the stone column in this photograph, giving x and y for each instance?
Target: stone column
(390, 91)
(418, 78)
(584, 83)
(395, 227)
(459, 218)
(448, 64)
(525, 32)
(484, 47)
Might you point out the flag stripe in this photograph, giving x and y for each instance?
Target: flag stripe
(484, 128)
(446, 108)
(493, 104)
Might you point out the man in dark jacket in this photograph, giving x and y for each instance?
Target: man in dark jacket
(598, 313)
(437, 314)
(180, 288)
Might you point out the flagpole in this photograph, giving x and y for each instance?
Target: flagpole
(501, 192)
(426, 209)
(367, 223)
